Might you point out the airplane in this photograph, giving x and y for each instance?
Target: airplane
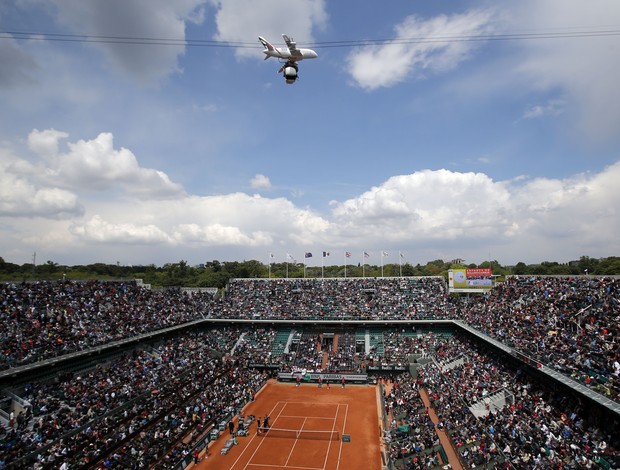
(291, 56)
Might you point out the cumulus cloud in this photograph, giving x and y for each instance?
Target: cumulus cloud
(220, 235)
(245, 20)
(134, 19)
(520, 219)
(235, 219)
(386, 65)
(22, 197)
(542, 217)
(97, 165)
(426, 205)
(98, 230)
(45, 142)
(423, 212)
(576, 208)
(260, 182)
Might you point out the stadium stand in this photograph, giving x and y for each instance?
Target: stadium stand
(108, 374)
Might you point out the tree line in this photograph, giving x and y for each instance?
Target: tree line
(217, 273)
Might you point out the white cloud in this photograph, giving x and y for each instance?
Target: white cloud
(20, 196)
(95, 165)
(534, 219)
(426, 205)
(240, 20)
(45, 143)
(228, 220)
(386, 65)
(98, 230)
(260, 182)
(220, 235)
(134, 19)
(431, 213)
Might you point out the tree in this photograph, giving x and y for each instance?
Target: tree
(214, 265)
(183, 268)
(520, 268)
(587, 264)
(408, 270)
(609, 265)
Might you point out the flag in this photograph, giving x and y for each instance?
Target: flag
(288, 255)
(271, 255)
(366, 255)
(401, 254)
(347, 254)
(325, 253)
(384, 253)
(308, 255)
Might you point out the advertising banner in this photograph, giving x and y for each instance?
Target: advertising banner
(478, 280)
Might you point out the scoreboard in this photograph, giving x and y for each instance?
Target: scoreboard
(477, 280)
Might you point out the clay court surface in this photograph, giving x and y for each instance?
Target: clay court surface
(351, 410)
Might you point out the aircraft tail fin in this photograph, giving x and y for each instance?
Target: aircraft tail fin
(266, 44)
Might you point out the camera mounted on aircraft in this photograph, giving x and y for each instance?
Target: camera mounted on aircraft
(290, 69)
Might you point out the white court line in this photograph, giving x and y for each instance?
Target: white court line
(308, 417)
(280, 415)
(294, 444)
(280, 466)
(344, 425)
(285, 403)
(329, 446)
(312, 403)
(257, 447)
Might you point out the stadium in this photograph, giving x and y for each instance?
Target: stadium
(116, 374)
(210, 260)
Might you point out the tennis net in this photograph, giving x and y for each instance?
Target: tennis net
(301, 434)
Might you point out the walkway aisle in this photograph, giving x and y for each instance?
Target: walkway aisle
(443, 436)
(325, 360)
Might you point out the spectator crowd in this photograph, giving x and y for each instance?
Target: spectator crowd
(139, 408)
(146, 403)
(539, 427)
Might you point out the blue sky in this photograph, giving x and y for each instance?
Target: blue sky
(434, 142)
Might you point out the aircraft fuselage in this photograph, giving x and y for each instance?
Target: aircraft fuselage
(283, 54)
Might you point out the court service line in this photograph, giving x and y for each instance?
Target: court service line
(311, 417)
(294, 444)
(329, 446)
(344, 425)
(311, 403)
(280, 413)
(280, 466)
(251, 440)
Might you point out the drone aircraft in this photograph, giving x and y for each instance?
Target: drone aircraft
(291, 56)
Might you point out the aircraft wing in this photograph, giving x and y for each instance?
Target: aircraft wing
(292, 47)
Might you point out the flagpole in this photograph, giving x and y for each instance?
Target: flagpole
(363, 265)
(304, 264)
(400, 261)
(322, 269)
(269, 266)
(381, 263)
(345, 264)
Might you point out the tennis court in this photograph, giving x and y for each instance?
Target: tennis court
(307, 425)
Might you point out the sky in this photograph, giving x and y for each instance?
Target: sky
(152, 131)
